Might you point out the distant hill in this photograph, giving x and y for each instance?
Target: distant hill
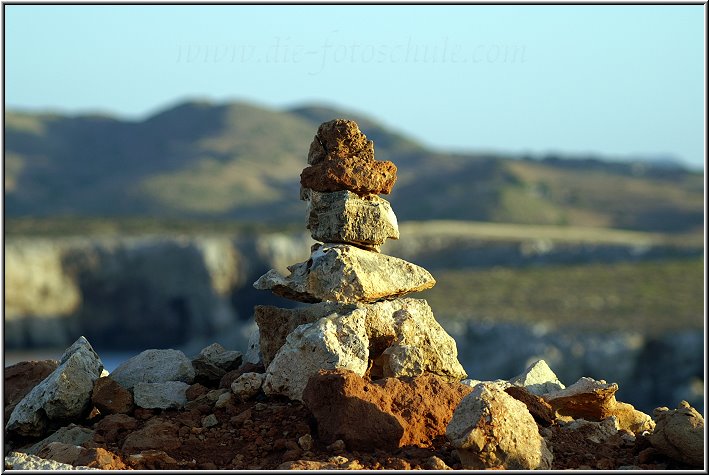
(239, 161)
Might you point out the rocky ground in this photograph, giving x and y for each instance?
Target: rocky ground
(219, 429)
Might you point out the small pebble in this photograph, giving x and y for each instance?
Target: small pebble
(337, 446)
(306, 442)
(209, 421)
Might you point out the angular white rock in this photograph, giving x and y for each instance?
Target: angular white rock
(167, 395)
(347, 274)
(345, 217)
(20, 461)
(538, 378)
(154, 366)
(331, 342)
(63, 395)
(490, 428)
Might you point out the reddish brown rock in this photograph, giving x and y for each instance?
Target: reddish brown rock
(114, 428)
(195, 391)
(61, 452)
(158, 434)
(21, 378)
(595, 401)
(341, 158)
(341, 137)
(384, 414)
(539, 409)
(109, 397)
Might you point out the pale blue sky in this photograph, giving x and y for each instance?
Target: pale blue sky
(620, 81)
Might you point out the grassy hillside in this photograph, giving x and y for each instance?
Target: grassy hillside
(648, 297)
(198, 161)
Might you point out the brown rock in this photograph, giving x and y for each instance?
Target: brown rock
(341, 158)
(195, 391)
(109, 397)
(361, 177)
(61, 452)
(157, 434)
(539, 409)
(680, 434)
(595, 401)
(387, 413)
(100, 458)
(114, 427)
(341, 137)
(20, 378)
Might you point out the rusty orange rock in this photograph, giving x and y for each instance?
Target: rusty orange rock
(383, 414)
(341, 158)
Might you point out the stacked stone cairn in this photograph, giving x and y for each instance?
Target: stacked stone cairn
(359, 319)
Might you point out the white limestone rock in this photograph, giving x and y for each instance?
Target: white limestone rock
(500, 383)
(154, 366)
(347, 274)
(20, 461)
(491, 429)
(331, 342)
(345, 217)
(165, 395)
(538, 378)
(679, 434)
(403, 336)
(247, 385)
(63, 395)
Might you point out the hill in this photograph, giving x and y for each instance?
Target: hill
(238, 161)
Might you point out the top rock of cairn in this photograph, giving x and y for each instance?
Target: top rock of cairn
(341, 158)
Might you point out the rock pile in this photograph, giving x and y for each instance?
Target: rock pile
(359, 320)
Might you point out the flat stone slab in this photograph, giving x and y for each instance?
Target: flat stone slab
(346, 274)
(345, 217)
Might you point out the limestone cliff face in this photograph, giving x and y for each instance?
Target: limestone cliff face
(147, 291)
